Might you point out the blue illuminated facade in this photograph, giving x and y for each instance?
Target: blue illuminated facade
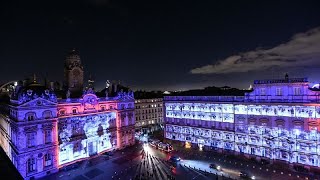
(44, 128)
(278, 120)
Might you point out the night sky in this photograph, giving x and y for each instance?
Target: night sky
(166, 45)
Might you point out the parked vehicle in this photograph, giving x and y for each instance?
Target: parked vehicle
(71, 166)
(245, 175)
(216, 167)
(165, 147)
(154, 144)
(175, 158)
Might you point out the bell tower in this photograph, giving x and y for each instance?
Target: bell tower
(73, 72)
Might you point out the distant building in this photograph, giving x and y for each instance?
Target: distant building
(149, 114)
(73, 72)
(279, 120)
(43, 130)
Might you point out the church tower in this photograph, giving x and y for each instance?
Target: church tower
(73, 72)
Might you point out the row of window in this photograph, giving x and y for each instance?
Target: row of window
(32, 164)
(148, 106)
(75, 110)
(148, 122)
(149, 111)
(296, 91)
(148, 100)
(147, 117)
(32, 139)
(30, 116)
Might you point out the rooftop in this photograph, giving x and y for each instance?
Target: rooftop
(286, 80)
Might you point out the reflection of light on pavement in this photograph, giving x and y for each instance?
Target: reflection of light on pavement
(146, 148)
(205, 166)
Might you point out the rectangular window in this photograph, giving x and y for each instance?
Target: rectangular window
(74, 111)
(47, 160)
(297, 91)
(31, 139)
(47, 136)
(31, 165)
(278, 91)
(263, 91)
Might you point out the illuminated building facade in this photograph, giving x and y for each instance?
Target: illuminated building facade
(149, 114)
(42, 132)
(279, 120)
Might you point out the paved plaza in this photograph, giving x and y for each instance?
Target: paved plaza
(143, 162)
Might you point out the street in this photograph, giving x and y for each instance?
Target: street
(142, 161)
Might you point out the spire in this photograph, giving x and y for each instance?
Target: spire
(90, 82)
(34, 78)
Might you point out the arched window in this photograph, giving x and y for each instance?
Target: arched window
(74, 111)
(31, 165)
(47, 160)
(30, 116)
(62, 112)
(47, 114)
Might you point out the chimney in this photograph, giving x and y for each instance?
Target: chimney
(286, 77)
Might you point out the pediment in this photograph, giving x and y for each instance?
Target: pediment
(38, 102)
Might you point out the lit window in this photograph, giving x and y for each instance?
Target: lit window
(262, 91)
(297, 91)
(31, 139)
(31, 165)
(278, 91)
(47, 160)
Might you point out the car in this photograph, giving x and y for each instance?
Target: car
(175, 158)
(109, 153)
(216, 167)
(245, 175)
(71, 166)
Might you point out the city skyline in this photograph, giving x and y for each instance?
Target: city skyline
(167, 46)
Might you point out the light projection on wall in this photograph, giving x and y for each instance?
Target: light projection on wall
(84, 136)
(275, 143)
(225, 112)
